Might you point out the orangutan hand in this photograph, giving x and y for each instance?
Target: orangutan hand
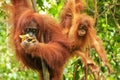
(28, 43)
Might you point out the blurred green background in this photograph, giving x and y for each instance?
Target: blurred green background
(107, 26)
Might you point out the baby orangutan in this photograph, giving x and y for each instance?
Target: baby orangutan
(79, 29)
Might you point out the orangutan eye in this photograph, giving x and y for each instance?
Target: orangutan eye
(31, 31)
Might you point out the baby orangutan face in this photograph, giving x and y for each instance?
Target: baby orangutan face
(82, 30)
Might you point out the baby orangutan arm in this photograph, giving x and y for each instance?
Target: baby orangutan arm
(97, 45)
(87, 61)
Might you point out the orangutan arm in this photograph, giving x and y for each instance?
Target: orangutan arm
(98, 46)
(53, 53)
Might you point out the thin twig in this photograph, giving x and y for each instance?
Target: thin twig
(96, 11)
(87, 7)
(109, 7)
(116, 22)
(75, 70)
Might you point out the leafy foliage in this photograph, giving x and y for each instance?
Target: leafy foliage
(108, 28)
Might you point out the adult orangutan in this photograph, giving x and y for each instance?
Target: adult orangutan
(79, 29)
(37, 37)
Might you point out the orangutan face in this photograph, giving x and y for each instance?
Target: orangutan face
(31, 29)
(82, 30)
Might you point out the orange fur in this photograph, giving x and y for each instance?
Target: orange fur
(54, 51)
(70, 28)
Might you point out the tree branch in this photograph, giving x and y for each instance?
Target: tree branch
(96, 11)
(46, 75)
(34, 5)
